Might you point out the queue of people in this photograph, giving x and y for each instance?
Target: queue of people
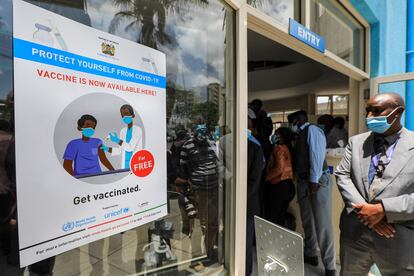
(374, 179)
(296, 154)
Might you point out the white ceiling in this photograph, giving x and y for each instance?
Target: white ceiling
(302, 77)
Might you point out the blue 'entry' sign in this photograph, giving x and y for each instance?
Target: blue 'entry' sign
(307, 36)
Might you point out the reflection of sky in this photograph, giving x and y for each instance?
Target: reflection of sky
(5, 16)
(280, 10)
(196, 57)
(6, 78)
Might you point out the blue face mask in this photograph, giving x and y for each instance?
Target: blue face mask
(294, 128)
(379, 124)
(249, 134)
(201, 129)
(127, 119)
(217, 133)
(274, 139)
(88, 132)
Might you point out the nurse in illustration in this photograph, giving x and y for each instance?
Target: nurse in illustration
(129, 140)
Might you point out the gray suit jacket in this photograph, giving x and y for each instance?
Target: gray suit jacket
(396, 194)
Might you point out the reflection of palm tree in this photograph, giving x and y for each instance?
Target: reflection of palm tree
(151, 15)
(255, 3)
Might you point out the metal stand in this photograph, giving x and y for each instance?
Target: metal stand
(159, 248)
(279, 251)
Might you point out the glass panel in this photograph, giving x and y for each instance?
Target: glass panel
(198, 40)
(340, 105)
(277, 117)
(406, 90)
(323, 105)
(281, 10)
(343, 34)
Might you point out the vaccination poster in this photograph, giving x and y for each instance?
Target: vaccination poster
(90, 133)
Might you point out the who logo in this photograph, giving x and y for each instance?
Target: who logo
(68, 226)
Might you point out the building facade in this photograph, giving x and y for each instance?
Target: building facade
(206, 46)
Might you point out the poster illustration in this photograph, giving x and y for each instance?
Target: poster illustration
(90, 133)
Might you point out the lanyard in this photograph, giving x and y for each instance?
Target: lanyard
(376, 159)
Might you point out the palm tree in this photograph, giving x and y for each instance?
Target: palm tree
(151, 15)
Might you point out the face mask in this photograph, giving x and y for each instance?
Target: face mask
(379, 124)
(294, 128)
(88, 132)
(274, 139)
(127, 119)
(201, 129)
(217, 133)
(249, 134)
(200, 132)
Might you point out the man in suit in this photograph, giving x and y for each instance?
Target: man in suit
(376, 180)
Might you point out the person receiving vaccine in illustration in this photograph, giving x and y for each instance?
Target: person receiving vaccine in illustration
(83, 155)
(129, 139)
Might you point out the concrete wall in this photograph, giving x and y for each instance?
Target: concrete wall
(388, 21)
(293, 103)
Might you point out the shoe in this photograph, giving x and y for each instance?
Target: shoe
(311, 260)
(329, 272)
(198, 266)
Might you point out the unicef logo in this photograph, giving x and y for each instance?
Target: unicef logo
(68, 226)
(126, 210)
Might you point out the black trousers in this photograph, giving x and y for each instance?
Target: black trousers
(250, 237)
(277, 199)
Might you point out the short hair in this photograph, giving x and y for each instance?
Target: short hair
(198, 120)
(296, 115)
(287, 135)
(256, 104)
(326, 118)
(394, 100)
(127, 106)
(340, 122)
(84, 118)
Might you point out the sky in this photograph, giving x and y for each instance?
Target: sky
(196, 57)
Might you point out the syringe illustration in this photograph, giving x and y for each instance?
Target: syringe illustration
(42, 34)
(58, 36)
(148, 64)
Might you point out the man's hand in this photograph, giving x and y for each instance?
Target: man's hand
(370, 214)
(384, 229)
(313, 188)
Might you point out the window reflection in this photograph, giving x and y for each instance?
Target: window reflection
(343, 34)
(197, 38)
(280, 10)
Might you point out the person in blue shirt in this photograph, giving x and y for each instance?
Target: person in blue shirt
(314, 189)
(82, 155)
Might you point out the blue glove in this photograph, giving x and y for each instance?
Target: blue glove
(104, 148)
(114, 138)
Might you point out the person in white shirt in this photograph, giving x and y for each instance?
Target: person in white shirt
(129, 140)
